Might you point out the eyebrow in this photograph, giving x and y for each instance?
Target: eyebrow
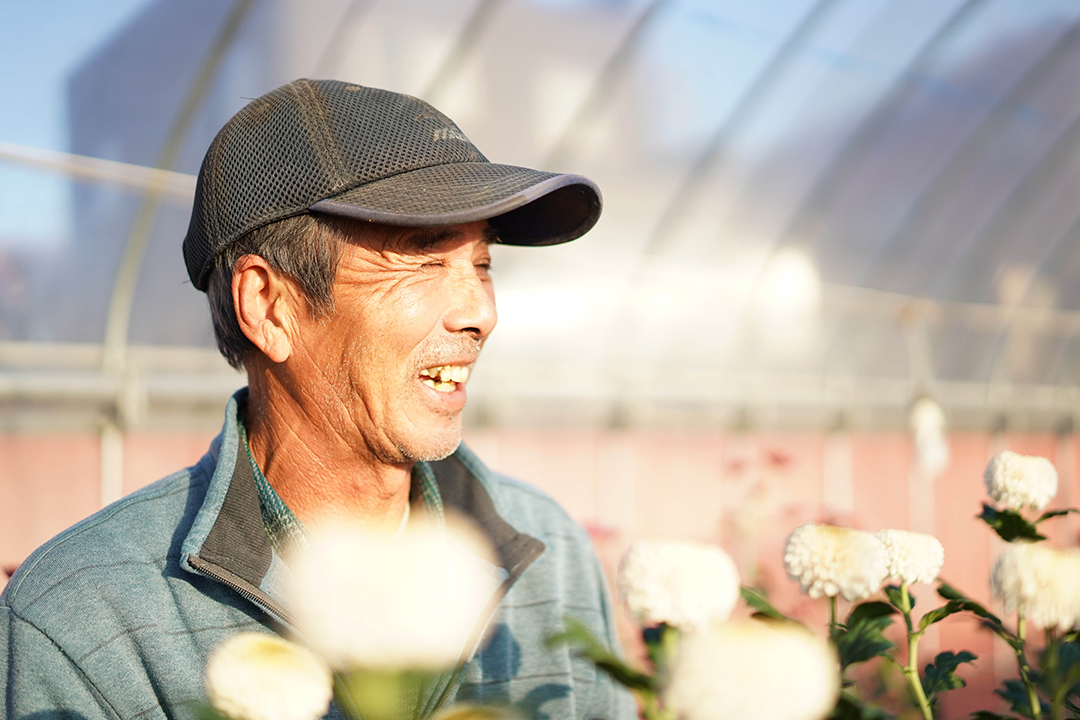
(427, 238)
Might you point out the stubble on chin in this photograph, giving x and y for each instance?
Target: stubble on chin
(429, 454)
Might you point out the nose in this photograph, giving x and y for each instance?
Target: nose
(472, 310)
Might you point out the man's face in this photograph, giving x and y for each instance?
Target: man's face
(388, 367)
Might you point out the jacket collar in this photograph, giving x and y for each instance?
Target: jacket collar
(228, 543)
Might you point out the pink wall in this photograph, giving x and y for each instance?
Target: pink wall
(748, 491)
(49, 481)
(744, 491)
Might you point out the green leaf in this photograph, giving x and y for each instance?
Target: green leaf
(757, 600)
(940, 675)
(938, 614)
(950, 593)
(623, 674)
(861, 639)
(1068, 655)
(1055, 513)
(987, 715)
(1066, 666)
(849, 707)
(896, 597)
(587, 646)
(1009, 524)
(1015, 693)
(869, 611)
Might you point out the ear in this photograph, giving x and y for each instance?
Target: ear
(266, 305)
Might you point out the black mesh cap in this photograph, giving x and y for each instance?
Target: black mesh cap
(333, 147)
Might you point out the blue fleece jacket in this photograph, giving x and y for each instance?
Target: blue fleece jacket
(114, 618)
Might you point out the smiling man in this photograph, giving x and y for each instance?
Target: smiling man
(378, 383)
(342, 236)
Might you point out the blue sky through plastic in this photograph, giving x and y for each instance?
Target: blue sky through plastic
(41, 42)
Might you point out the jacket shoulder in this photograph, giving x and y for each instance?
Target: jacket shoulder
(533, 506)
(138, 531)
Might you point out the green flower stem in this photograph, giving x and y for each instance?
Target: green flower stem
(380, 694)
(1050, 666)
(832, 616)
(1025, 669)
(1059, 686)
(652, 710)
(662, 656)
(1061, 691)
(911, 670)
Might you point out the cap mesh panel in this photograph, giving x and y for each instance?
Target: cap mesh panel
(312, 140)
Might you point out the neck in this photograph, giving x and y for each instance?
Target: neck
(320, 472)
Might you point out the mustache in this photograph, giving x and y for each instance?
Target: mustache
(449, 351)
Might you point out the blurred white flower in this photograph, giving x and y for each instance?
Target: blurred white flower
(829, 560)
(254, 676)
(927, 421)
(1043, 580)
(1016, 481)
(912, 557)
(684, 584)
(751, 669)
(367, 600)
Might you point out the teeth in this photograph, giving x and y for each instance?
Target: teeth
(444, 387)
(444, 378)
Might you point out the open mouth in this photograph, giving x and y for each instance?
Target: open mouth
(445, 378)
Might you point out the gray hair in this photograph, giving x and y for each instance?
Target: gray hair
(306, 248)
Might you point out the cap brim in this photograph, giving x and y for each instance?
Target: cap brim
(526, 207)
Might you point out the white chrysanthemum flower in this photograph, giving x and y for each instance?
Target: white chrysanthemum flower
(254, 676)
(752, 669)
(912, 557)
(684, 584)
(1017, 481)
(829, 560)
(368, 600)
(1043, 580)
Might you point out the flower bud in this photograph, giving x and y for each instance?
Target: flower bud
(368, 600)
(829, 560)
(912, 557)
(254, 676)
(753, 669)
(1042, 581)
(1017, 481)
(684, 584)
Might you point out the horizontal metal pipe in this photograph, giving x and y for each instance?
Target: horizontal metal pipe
(178, 186)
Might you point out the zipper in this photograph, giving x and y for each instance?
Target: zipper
(515, 572)
(486, 618)
(262, 601)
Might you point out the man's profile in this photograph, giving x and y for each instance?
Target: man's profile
(342, 236)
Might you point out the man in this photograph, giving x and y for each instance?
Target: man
(341, 234)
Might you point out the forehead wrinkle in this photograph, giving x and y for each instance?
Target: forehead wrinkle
(392, 241)
(424, 239)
